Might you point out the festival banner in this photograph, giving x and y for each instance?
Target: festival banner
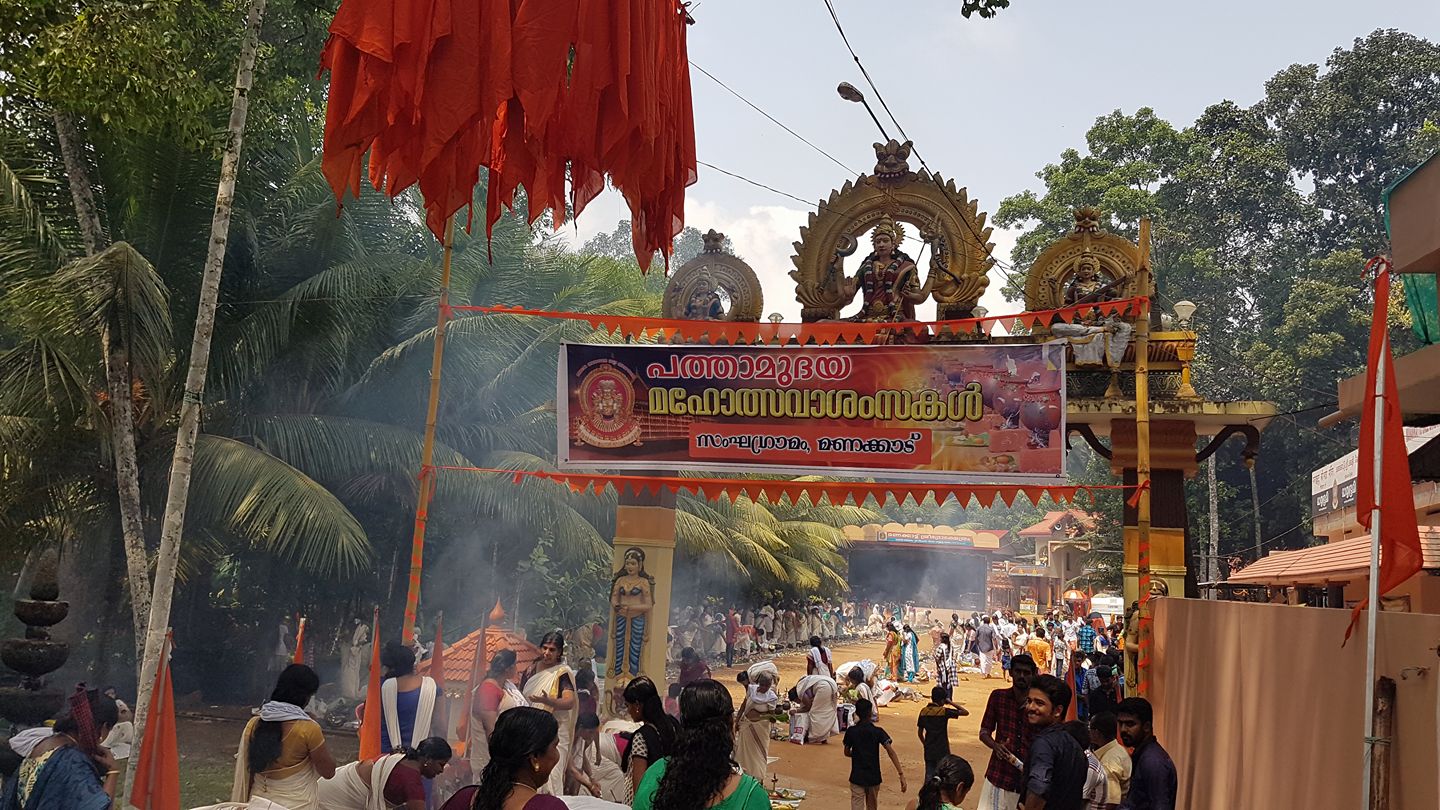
(954, 413)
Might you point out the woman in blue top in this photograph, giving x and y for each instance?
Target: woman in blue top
(703, 763)
(410, 703)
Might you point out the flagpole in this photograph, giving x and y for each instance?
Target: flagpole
(427, 450)
(1372, 613)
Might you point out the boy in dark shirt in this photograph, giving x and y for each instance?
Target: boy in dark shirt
(933, 726)
(862, 744)
(1056, 767)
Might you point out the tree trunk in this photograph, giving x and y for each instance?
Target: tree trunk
(117, 382)
(1212, 554)
(184, 457)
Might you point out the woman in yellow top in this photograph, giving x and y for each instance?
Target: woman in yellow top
(282, 753)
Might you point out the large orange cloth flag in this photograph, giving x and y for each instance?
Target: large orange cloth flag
(538, 92)
(372, 720)
(299, 657)
(157, 773)
(1400, 553)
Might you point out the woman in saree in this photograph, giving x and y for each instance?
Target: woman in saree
(494, 696)
(632, 596)
(65, 768)
(892, 651)
(282, 754)
(818, 696)
(752, 727)
(392, 782)
(551, 686)
(909, 654)
(524, 752)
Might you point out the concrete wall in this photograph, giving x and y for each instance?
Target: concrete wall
(1260, 706)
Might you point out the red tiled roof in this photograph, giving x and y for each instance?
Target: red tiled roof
(1341, 561)
(1047, 523)
(460, 656)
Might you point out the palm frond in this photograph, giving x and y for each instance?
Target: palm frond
(118, 289)
(259, 497)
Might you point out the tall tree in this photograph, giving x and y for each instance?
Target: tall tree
(181, 465)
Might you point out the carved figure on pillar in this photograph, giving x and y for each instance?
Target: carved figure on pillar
(632, 597)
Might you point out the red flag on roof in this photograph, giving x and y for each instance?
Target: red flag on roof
(535, 91)
(157, 773)
(1400, 553)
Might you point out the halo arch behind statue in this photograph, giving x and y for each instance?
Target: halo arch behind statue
(692, 291)
(1053, 269)
(941, 213)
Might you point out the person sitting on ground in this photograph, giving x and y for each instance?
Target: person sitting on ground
(399, 778)
(692, 667)
(282, 754)
(700, 773)
(863, 742)
(858, 689)
(933, 727)
(66, 768)
(947, 787)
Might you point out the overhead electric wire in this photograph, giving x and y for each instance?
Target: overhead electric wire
(777, 122)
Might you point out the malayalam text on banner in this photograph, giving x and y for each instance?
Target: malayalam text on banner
(981, 413)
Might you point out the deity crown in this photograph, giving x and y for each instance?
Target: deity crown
(889, 227)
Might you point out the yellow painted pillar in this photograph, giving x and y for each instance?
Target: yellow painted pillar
(644, 532)
(1172, 453)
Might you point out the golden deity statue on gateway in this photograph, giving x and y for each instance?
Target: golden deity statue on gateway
(887, 281)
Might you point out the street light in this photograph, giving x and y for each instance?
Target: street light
(979, 312)
(775, 317)
(1183, 311)
(851, 93)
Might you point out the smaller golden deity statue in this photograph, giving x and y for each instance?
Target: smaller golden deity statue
(1095, 339)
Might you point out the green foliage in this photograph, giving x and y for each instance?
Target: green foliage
(1263, 217)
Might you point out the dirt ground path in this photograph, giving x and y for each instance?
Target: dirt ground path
(823, 771)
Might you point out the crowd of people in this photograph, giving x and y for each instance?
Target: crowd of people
(554, 731)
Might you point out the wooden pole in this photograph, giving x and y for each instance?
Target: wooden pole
(1372, 611)
(427, 452)
(1142, 457)
(1382, 732)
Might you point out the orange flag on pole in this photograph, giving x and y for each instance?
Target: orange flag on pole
(372, 721)
(1393, 501)
(300, 643)
(157, 773)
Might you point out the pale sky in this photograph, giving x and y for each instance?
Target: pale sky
(987, 102)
